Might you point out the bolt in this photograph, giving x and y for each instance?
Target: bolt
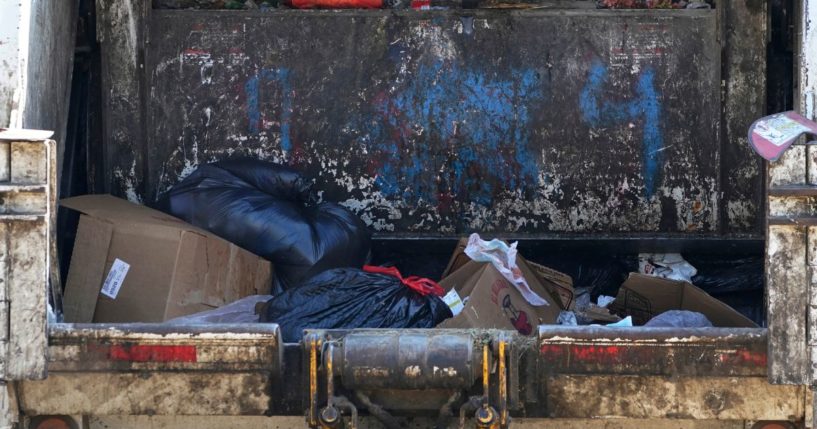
(330, 415)
(485, 415)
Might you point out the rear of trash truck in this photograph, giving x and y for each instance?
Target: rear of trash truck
(585, 134)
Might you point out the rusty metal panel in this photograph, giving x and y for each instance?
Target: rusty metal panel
(609, 123)
(26, 209)
(165, 348)
(719, 352)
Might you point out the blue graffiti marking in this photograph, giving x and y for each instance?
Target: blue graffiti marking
(645, 105)
(253, 90)
(481, 121)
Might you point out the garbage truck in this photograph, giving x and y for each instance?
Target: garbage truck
(569, 128)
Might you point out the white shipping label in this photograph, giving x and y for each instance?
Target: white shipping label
(116, 276)
(454, 302)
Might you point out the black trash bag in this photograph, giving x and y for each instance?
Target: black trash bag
(679, 319)
(722, 275)
(347, 298)
(270, 210)
(602, 273)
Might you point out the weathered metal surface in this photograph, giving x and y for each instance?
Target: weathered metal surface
(26, 209)
(744, 26)
(148, 393)
(171, 394)
(408, 360)
(786, 269)
(121, 33)
(186, 422)
(677, 398)
(787, 281)
(652, 351)
(807, 59)
(9, 409)
(398, 116)
(162, 348)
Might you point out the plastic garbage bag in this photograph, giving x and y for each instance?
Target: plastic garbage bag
(679, 319)
(626, 322)
(503, 257)
(723, 275)
(240, 311)
(602, 272)
(567, 318)
(270, 210)
(603, 300)
(667, 265)
(347, 298)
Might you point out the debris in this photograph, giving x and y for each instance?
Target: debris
(503, 257)
(494, 303)
(666, 265)
(644, 297)
(559, 285)
(770, 136)
(241, 311)
(150, 266)
(348, 298)
(567, 318)
(603, 300)
(272, 211)
(718, 276)
(679, 319)
(626, 322)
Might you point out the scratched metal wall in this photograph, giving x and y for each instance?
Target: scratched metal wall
(441, 123)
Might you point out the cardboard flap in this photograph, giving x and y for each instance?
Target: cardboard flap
(111, 208)
(87, 269)
(644, 297)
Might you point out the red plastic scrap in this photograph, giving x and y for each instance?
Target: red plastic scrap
(421, 285)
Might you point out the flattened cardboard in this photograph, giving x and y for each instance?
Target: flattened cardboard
(644, 297)
(494, 303)
(175, 270)
(558, 285)
(90, 252)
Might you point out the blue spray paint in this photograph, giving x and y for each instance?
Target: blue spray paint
(645, 105)
(481, 120)
(253, 91)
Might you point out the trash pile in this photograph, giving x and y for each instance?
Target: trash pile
(248, 241)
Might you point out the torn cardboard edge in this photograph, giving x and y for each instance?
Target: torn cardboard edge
(644, 297)
(492, 302)
(557, 284)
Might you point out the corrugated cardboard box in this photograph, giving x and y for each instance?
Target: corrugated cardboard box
(494, 303)
(558, 285)
(134, 264)
(644, 297)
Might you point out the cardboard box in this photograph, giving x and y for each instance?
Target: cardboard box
(644, 297)
(131, 263)
(494, 303)
(558, 285)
